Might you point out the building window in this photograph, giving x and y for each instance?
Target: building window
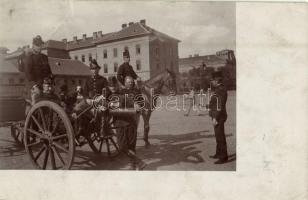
(73, 82)
(21, 80)
(115, 67)
(80, 82)
(105, 53)
(138, 49)
(83, 58)
(11, 81)
(138, 64)
(115, 52)
(157, 51)
(126, 48)
(90, 57)
(105, 68)
(76, 57)
(171, 51)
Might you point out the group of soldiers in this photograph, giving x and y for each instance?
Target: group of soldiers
(40, 78)
(38, 73)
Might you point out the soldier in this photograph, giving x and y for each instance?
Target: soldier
(127, 138)
(218, 114)
(126, 70)
(95, 85)
(36, 67)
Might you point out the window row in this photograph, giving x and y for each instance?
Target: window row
(116, 66)
(83, 57)
(115, 51)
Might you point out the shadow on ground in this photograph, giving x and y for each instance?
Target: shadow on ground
(169, 150)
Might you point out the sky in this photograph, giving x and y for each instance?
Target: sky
(202, 27)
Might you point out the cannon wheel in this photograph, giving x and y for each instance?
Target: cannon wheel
(49, 137)
(17, 134)
(107, 142)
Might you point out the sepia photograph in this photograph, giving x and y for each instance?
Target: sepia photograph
(118, 85)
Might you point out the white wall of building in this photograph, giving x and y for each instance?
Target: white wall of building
(143, 57)
(84, 52)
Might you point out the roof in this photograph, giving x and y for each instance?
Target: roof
(7, 66)
(58, 66)
(55, 44)
(134, 30)
(68, 67)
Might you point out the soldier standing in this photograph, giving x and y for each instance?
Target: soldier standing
(36, 68)
(127, 137)
(126, 70)
(218, 114)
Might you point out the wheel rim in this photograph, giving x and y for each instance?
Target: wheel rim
(48, 137)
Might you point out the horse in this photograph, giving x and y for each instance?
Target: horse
(163, 83)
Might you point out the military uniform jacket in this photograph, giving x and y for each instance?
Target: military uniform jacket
(217, 104)
(94, 86)
(128, 97)
(35, 66)
(125, 70)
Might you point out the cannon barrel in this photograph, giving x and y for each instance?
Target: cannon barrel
(120, 112)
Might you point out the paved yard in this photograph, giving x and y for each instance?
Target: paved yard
(178, 143)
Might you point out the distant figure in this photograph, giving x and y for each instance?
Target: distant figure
(218, 114)
(192, 101)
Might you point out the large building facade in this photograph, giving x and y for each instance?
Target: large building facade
(151, 51)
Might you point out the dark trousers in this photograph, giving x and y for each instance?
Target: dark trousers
(127, 135)
(221, 144)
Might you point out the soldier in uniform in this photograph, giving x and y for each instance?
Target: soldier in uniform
(94, 86)
(127, 138)
(218, 114)
(126, 70)
(36, 68)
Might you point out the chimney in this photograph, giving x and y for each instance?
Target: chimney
(142, 22)
(64, 40)
(84, 36)
(124, 26)
(100, 34)
(130, 23)
(75, 38)
(94, 35)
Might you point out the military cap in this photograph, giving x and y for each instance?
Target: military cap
(126, 53)
(94, 65)
(37, 41)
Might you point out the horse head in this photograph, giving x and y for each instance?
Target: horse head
(167, 83)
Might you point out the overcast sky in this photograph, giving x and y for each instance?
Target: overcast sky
(202, 27)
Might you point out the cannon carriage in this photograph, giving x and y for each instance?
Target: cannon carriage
(50, 134)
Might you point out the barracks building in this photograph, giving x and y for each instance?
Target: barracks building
(151, 51)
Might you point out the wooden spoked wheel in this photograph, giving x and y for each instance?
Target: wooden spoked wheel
(106, 142)
(49, 137)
